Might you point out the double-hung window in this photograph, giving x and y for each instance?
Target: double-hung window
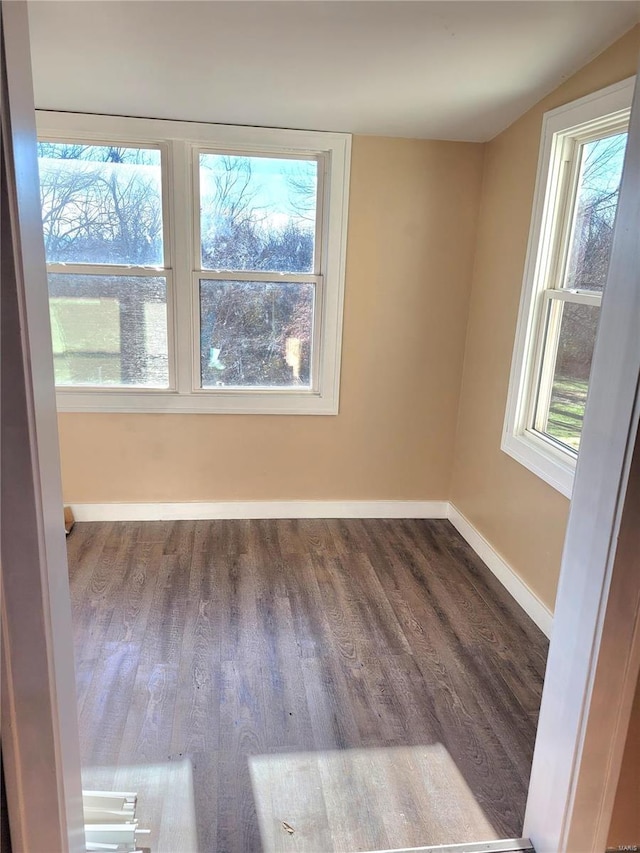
(579, 173)
(193, 267)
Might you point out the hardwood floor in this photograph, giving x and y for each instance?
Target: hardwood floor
(369, 683)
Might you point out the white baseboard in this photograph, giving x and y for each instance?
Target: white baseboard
(525, 597)
(513, 583)
(259, 509)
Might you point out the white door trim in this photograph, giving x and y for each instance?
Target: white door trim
(594, 655)
(41, 753)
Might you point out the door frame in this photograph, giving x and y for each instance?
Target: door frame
(40, 743)
(595, 648)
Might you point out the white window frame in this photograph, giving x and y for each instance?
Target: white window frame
(606, 109)
(180, 143)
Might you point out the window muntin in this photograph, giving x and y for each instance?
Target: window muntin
(304, 351)
(579, 167)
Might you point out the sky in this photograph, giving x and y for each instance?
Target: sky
(269, 186)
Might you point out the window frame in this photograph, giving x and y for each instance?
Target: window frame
(180, 144)
(569, 124)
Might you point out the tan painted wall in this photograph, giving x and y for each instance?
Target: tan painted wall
(522, 517)
(412, 221)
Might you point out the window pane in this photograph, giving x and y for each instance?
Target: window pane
(109, 330)
(596, 203)
(255, 334)
(101, 204)
(257, 213)
(576, 340)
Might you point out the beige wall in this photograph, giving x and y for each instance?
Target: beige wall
(522, 517)
(412, 221)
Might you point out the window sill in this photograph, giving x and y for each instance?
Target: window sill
(542, 458)
(149, 401)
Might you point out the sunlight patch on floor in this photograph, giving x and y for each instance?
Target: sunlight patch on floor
(364, 799)
(165, 800)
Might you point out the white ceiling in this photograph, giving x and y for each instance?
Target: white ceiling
(440, 70)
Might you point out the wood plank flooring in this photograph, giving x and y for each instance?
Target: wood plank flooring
(369, 683)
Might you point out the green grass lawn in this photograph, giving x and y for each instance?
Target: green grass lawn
(566, 412)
